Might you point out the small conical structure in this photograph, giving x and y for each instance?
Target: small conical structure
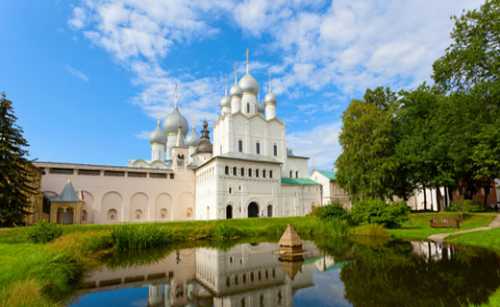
(291, 268)
(290, 238)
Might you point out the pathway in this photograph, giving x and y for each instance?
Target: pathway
(439, 237)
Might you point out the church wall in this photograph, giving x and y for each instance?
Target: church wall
(298, 200)
(297, 166)
(206, 197)
(117, 194)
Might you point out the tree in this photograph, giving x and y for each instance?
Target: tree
(15, 170)
(473, 56)
(366, 168)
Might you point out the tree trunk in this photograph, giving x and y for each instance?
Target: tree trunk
(486, 194)
(445, 197)
(425, 199)
(438, 203)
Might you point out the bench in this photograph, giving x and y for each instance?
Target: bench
(446, 221)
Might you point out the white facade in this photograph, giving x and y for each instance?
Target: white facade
(241, 175)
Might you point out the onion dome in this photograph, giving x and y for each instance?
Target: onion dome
(235, 90)
(270, 98)
(192, 138)
(174, 120)
(157, 135)
(204, 146)
(225, 102)
(249, 84)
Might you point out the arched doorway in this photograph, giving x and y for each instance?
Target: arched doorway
(229, 212)
(269, 210)
(253, 209)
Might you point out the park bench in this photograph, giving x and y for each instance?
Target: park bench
(446, 221)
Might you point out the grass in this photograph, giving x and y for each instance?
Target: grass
(418, 228)
(489, 239)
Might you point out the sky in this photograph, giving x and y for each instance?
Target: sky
(89, 78)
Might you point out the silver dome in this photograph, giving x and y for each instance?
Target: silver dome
(174, 120)
(157, 135)
(270, 98)
(192, 138)
(249, 84)
(225, 101)
(235, 90)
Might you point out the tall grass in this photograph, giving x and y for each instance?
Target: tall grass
(137, 237)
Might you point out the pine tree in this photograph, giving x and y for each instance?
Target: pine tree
(16, 180)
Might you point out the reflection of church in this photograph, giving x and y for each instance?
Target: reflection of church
(245, 275)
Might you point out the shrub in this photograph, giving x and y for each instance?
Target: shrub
(43, 232)
(465, 205)
(374, 211)
(331, 212)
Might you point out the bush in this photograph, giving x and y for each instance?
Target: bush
(465, 205)
(333, 211)
(374, 211)
(43, 232)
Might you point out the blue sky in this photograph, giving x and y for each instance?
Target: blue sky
(88, 78)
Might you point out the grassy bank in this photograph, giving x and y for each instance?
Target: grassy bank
(488, 239)
(42, 274)
(418, 226)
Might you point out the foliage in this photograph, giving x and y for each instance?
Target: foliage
(16, 183)
(333, 211)
(223, 232)
(472, 57)
(371, 230)
(374, 211)
(43, 232)
(465, 205)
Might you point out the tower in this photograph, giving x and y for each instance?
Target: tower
(250, 89)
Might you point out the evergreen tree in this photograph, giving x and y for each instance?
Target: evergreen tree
(16, 184)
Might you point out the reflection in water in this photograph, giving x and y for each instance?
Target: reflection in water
(394, 274)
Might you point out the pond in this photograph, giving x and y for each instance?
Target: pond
(392, 273)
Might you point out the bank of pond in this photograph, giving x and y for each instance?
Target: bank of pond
(237, 263)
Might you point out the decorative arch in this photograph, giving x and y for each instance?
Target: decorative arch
(253, 209)
(163, 207)
(138, 207)
(112, 204)
(186, 204)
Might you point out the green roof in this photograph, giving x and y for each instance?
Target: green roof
(329, 174)
(298, 181)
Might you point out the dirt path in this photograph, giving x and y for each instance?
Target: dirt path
(439, 237)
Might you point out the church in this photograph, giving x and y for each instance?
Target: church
(247, 171)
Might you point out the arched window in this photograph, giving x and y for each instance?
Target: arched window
(242, 171)
(248, 108)
(296, 174)
(291, 174)
(269, 210)
(275, 148)
(257, 173)
(264, 173)
(230, 190)
(249, 172)
(234, 170)
(261, 300)
(226, 170)
(257, 148)
(112, 214)
(240, 145)
(228, 282)
(270, 174)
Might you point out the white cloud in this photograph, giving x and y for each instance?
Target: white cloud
(319, 143)
(76, 73)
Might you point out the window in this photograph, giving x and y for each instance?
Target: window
(296, 174)
(240, 145)
(291, 174)
(249, 172)
(230, 190)
(226, 170)
(275, 147)
(270, 174)
(257, 173)
(248, 108)
(264, 173)
(257, 148)
(171, 176)
(242, 171)
(234, 171)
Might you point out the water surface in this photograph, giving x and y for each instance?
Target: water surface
(330, 274)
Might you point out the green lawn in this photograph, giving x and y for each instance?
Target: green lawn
(418, 228)
(488, 239)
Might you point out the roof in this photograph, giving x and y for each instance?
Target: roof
(43, 164)
(68, 194)
(328, 174)
(242, 157)
(296, 157)
(298, 181)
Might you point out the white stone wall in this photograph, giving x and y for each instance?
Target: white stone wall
(298, 200)
(296, 167)
(114, 195)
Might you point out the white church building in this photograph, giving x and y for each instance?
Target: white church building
(248, 170)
